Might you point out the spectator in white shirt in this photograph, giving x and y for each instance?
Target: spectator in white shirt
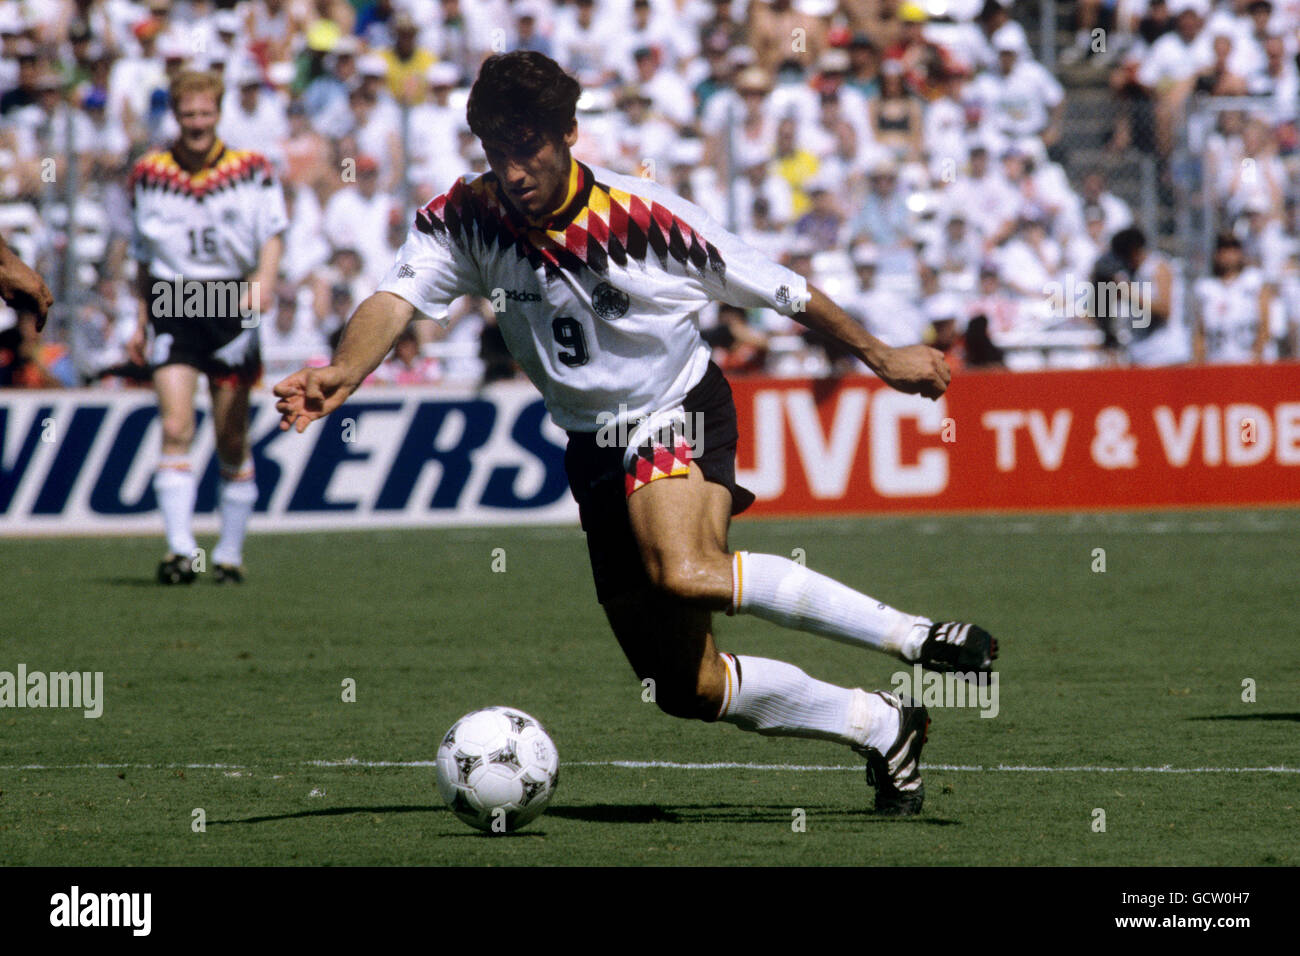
(293, 339)
(670, 97)
(1081, 248)
(254, 118)
(643, 141)
(375, 135)
(1021, 97)
(305, 247)
(585, 43)
(954, 255)
(885, 313)
(982, 193)
(1279, 80)
(1116, 214)
(1169, 71)
(944, 126)
(357, 217)
(1031, 259)
(434, 127)
(754, 136)
(133, 79)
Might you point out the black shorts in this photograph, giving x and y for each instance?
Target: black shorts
(601, 484)
(215, 342)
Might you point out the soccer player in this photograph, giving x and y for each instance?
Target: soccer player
(610, 273)
(206, 236)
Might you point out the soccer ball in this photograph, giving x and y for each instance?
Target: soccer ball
(497, 769)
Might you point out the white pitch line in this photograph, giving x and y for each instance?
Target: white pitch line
(1001, 768)
(661, 765)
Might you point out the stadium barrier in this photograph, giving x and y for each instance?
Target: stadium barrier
(1121, 438)
(80, 462)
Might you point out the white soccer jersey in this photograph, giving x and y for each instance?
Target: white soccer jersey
(1170, 343)
(1230, 316)
(600, 304)
(210, 224)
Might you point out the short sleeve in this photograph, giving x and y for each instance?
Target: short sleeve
(734, 272)
(272, 217)
(433, 268)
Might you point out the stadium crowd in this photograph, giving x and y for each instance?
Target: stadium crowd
(902, 155)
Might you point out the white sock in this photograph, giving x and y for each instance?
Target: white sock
(173, 483)
(787, 593)
(238, 496)
(779, 700)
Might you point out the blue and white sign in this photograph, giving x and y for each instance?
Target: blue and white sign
(82, 462)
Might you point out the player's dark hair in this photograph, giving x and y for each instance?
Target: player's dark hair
(1126, 242)
(520, 99)
(1224, 240)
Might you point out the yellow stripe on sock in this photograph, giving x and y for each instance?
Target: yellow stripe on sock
(739, 571)
(726, 699)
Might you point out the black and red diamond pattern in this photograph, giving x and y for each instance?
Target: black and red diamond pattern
(611, 225)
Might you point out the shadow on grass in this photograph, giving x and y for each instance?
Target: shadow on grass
(1272, 716)
(630, 813)
(723, 812)
(124, 582)
(329, 812)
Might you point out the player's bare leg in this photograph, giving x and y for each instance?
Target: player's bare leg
(238, 483)
(173, 482)
(667, 635)
(680, 525)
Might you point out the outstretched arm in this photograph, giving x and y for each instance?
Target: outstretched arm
(916, 369)
(23, 288)
(312, 393)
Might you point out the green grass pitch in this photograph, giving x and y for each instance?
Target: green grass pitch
(1105, 677)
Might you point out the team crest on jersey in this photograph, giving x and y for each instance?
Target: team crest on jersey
(609, 302)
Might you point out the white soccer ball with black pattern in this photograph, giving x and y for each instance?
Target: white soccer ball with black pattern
(497, 769)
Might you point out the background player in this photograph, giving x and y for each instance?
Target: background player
(202, 212)
(610, 272)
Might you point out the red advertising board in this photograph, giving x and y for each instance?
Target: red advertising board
(1122, 438)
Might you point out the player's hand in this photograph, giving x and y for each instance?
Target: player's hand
(24, 289)
(916, 370)
(309, 394)
(135, 346)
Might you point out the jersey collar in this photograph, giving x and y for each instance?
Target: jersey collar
(575, 198)
(218, 147)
